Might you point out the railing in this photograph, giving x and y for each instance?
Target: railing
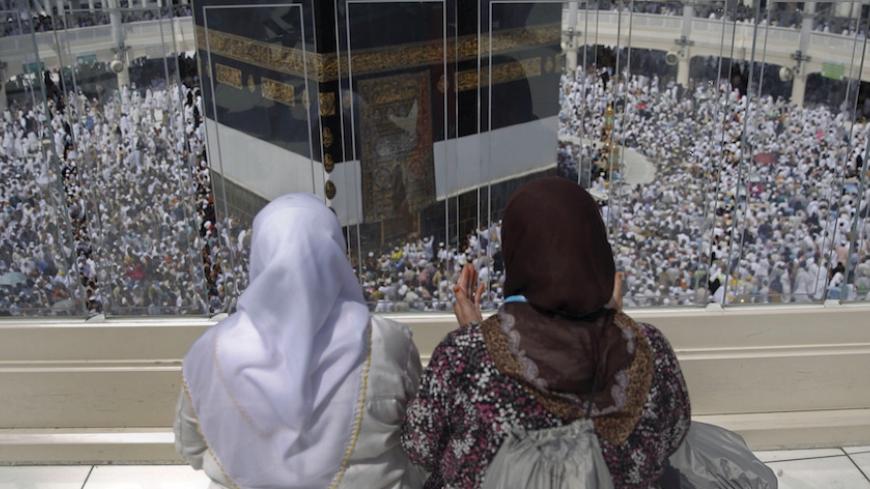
(83, 38)
(653, 31)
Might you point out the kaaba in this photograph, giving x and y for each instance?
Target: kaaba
(386, 109)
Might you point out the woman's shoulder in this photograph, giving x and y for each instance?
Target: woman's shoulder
(657, 340)
(660, 358)
(667, 381)
(460, 349)
(464, 339)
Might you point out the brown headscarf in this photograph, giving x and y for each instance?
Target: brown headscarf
(555, 248)
(556, 254)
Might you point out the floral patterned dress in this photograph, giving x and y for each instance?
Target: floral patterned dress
(467, 405)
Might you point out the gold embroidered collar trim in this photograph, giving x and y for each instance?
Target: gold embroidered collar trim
(613, 425)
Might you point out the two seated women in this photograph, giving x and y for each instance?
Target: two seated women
(303, 388)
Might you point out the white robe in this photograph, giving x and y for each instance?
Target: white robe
(377, 459)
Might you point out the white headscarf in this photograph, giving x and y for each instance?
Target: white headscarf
(276, 385)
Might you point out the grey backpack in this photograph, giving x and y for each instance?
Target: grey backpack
(555, 458)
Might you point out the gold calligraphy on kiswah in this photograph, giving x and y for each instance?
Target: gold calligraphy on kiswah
(227, 75)
(501, 73)
(324, 67)
(397, 89)
(279, 92)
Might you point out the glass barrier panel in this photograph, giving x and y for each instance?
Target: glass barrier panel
(75, 152)
(128, 141)
(705, 69)
(179, 64)
(41, 250)
(857, 287)
(725, 141)
(521, 70)
(856, 261)
(656, 201)
(712, 73)
(794, 212)
(395, 174)
(630, 129)
(258, 69)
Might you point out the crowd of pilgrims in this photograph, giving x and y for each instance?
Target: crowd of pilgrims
(790, 225)
(768, 219)
(751, 202)
(419, 275)
(140, 234)
(673, 237)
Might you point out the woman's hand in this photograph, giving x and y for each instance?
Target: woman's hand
(467, 305)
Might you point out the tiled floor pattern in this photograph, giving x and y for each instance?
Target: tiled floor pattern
(829, 468)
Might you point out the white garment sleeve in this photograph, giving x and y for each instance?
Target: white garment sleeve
(192, 447)
(189, 443)
(378, 460)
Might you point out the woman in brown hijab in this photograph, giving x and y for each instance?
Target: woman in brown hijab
(559, 350)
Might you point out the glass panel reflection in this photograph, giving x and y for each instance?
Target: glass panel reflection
(793, 211)
(726, 142)
(398, 121)
(259, 128)
(521, 69)
(40, 245)
(860, 286)
(631, 118)
(128, 140)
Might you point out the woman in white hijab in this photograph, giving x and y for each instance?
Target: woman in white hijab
(301, 387)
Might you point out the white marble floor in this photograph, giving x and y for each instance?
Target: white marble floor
(828, 468)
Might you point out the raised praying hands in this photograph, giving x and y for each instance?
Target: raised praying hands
(467, 304)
